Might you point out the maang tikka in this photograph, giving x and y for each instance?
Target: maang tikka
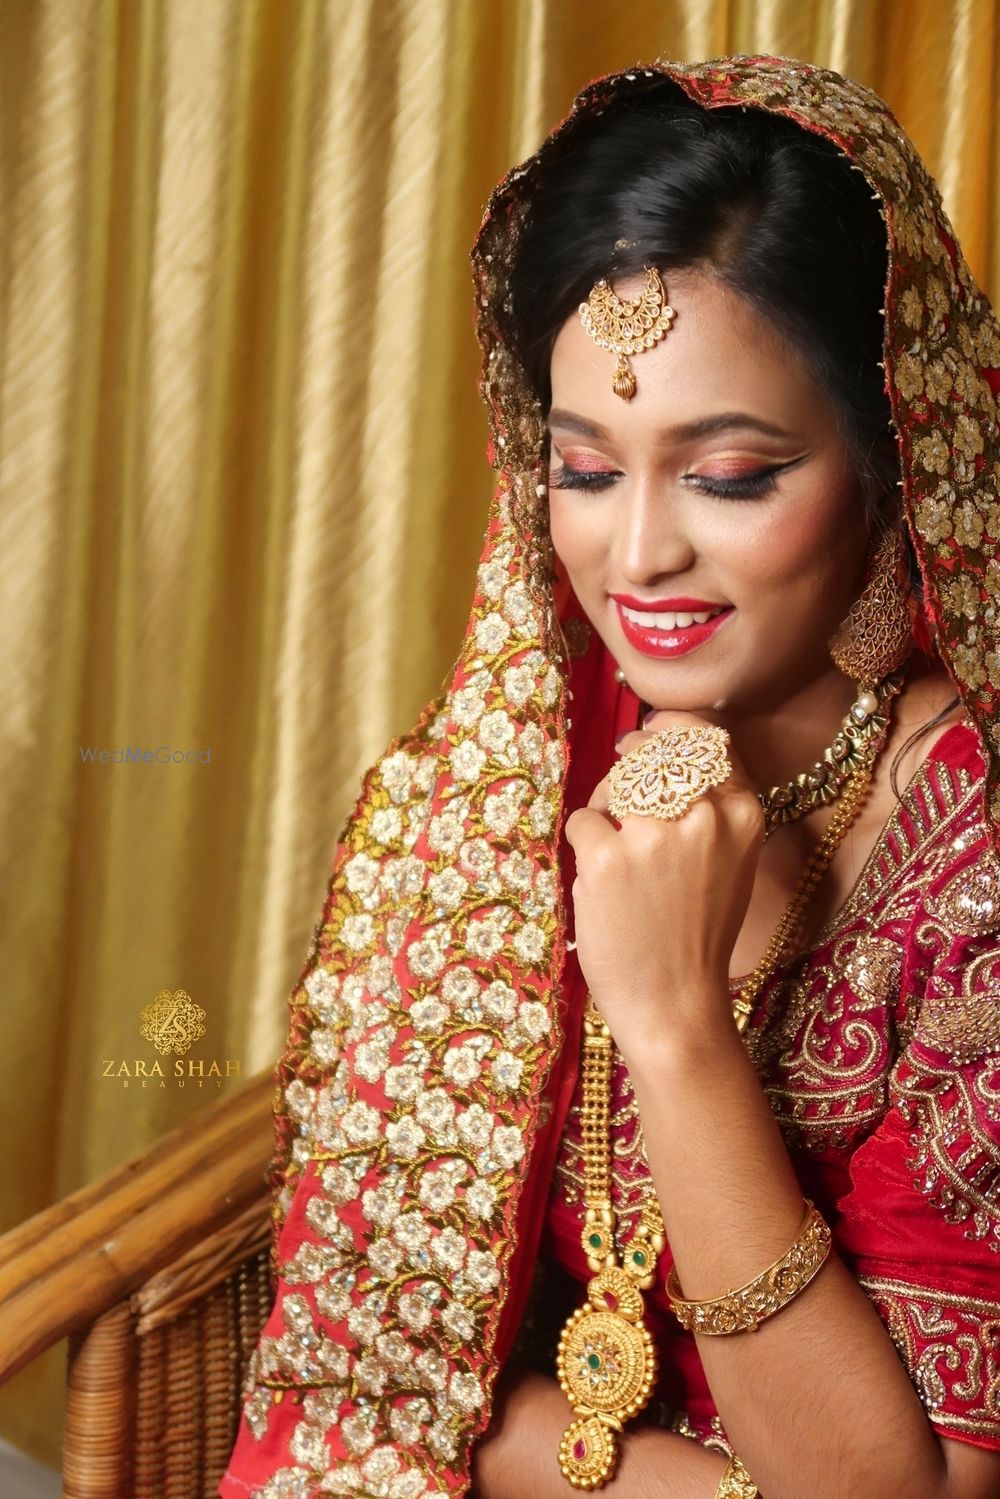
(626, 326)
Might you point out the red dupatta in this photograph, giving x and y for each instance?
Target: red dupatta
(431, 1051)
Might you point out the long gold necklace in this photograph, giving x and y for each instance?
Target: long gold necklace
(607, 1361)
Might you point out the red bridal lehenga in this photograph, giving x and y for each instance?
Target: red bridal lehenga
(426, 1169)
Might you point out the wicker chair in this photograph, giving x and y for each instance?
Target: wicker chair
(158, 1275)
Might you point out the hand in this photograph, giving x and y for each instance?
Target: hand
(659, 904)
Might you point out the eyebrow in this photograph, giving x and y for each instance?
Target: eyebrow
(706, 426)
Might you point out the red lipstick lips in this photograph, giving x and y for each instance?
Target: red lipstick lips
(651, 640)
(667, 606)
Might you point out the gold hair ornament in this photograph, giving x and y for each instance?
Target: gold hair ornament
(626, 326)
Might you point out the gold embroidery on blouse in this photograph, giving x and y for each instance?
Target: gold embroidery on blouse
(872, 971)
(965, 1027)
(970, 903)
(949, 1344)
(899, 848)
(826, 1068)
(958, 1159)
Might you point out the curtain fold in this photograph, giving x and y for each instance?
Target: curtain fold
(243, 479)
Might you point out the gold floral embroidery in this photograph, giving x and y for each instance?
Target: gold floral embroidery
(419, 1043)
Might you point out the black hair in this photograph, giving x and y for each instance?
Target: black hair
(777, 212)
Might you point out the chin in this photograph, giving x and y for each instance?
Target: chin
(712, 696)
(684, 702)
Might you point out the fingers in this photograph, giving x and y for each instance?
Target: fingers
(600, 797)
(587, 828)
(669, 718)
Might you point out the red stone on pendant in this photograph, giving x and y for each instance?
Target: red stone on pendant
(579, 1449)
(611, 1301)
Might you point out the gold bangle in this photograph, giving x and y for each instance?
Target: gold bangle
(736, 1482)
(744, 1308)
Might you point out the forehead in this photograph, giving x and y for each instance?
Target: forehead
(719, 353)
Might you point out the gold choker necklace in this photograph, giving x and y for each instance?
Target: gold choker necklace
(864, 722)
(607, 1360)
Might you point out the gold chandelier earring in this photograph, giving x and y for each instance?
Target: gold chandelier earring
(626, 326)
(876, 636)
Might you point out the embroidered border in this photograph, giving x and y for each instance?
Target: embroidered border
(957, 1157)
(950, 1345)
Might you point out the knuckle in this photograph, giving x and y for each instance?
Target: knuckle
(705, 808)
(600, 863)
(630, 740)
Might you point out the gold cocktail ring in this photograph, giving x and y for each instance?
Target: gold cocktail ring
(669, 770)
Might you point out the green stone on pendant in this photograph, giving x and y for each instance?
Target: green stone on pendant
(595, 1241)
(594, 1360)
(638, 1257)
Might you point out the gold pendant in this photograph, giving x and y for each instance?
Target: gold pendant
(588, 1453)
(607, 1365)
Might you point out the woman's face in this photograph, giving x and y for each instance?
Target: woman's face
(724, 481)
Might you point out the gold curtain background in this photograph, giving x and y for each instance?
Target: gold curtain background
(243, 482)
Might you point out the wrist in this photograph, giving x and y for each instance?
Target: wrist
(691, 1031)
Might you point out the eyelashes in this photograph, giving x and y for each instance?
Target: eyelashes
(746, 487)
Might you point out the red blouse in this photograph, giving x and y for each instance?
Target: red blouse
(879, 1050)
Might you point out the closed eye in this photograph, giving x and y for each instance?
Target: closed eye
(565, 477)
(745, 487)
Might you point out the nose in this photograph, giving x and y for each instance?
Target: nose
(651, 541)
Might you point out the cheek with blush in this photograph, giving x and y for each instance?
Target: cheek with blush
(579, 540)
(801, 564)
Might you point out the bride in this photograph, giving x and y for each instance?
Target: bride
(639, 1120)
